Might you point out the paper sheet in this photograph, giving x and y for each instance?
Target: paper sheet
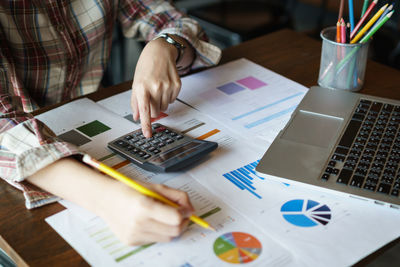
(235, 241)
(244, 96)
(318, 228)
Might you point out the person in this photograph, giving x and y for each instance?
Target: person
(53, 51)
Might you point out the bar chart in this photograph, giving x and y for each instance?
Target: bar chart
(243, 178)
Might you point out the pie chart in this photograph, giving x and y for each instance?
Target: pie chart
(237, 247)
(306, 213)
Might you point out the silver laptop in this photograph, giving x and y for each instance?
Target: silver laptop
(340, 141)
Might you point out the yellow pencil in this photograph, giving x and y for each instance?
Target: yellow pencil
(369, 24)
(140, 188)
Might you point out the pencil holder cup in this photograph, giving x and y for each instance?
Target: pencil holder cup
(342, 65)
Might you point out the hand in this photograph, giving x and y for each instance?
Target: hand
(156, 83)
(137, 219)
(133, 217)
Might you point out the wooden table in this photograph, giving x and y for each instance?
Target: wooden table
(290, 54)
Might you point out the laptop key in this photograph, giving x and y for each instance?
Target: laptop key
(357, 181)
(332, 163)
(395, 193)
(341, 151)
(325, 177)
(375, 107)
(369, 187)
(351, 131)
(350, 165)
(344, 176)
(383, 188)
(339, 158)
(358, 117)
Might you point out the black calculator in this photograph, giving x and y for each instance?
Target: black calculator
(166, 151)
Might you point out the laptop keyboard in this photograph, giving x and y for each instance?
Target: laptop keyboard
(368, 153)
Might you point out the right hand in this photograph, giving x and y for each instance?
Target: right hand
(137, 219)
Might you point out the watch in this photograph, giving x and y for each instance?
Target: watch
(180, 47)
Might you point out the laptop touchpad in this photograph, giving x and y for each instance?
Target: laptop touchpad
(313, 129)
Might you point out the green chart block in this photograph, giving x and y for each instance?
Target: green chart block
(93, 128)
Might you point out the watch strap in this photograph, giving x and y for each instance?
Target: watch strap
(169, 39)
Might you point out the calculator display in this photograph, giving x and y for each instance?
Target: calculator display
(183, 150)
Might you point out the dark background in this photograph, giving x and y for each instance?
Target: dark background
(230, 22)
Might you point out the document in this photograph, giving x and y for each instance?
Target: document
(244, 96)
(318, 228)
(236, 240)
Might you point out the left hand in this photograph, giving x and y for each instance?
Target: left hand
(156, 82)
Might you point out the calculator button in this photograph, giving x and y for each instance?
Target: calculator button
(161, 144)
(146, 156)
(134, 140)
(156, 151)
(173, 134)
(151, 149)
(179, 136)
(141, 142)
(170, 141)
(158, 135)
(164, 138)
(135, 150)
(155, 142)
(155, 126)
(121, 143)
(141, 153)
(128, 137)
(129, 147)
(167, 131)
(145, 146)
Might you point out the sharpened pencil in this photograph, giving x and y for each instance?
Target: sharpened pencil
(368, 25)
(363, 18)
(140, 188)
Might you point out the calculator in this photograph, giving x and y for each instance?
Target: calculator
(166, 151)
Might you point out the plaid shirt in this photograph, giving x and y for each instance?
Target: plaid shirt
(52, 51)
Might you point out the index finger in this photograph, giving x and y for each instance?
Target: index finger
(144, 110)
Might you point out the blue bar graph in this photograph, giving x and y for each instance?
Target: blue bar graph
(243, 178)
(267, 106)
(270, 117)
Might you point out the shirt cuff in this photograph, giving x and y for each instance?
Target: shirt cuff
(23, 155)
(206, 54)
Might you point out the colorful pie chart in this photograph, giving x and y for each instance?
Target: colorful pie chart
(237, 247)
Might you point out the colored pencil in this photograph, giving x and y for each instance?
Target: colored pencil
(363, 18)
(364, 8)
(346, 59)
(368, 25)
(348, 31)
(390, 8)
(140, 188)
(343, 32)
(351, 14)
(377, 27)
(338, 32)
(341, 10)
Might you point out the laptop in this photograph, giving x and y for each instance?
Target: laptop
(342, 142)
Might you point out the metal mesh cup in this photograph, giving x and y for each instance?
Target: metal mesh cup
(342, 65)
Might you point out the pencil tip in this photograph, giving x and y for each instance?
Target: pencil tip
(212, 228)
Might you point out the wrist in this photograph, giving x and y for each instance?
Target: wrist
(181, 46)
